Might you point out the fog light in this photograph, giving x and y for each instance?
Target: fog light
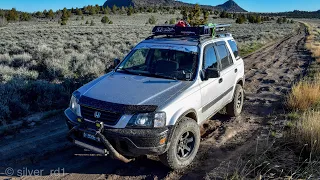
(79, 120)
(162, 141)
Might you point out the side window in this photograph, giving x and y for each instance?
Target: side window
(234, 48)
(224, 55)
(210, 58)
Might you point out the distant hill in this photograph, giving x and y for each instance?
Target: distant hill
(230, 5)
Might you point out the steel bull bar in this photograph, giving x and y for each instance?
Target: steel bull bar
(109, 148)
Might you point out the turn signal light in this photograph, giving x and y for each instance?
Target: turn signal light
(162, 141)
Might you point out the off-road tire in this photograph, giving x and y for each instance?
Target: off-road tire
(233, 108)
(171, 157)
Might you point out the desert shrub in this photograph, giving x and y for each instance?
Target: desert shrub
(130, 11)
(88, 66)
(42, 95)
(92, 23)
(172, 21)
(21, 60)
(11, 100)
(242, 19)
(105, 20)
(110, 22)
(78, 12)
(20, 97)
(87, 22)
(5, 59)
(25, 16)
(252, 18)
(3, 21)
(152, 20)
(57, 68)
(7, 73)
(63, 23)
(304, 95)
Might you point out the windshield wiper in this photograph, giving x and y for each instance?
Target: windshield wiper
(126, 70)
(162, 76)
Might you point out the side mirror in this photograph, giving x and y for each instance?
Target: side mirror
(211, 73)
(116, 62)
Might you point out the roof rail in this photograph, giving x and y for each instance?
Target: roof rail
(177, 31)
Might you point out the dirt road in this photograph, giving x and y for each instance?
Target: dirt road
(270, 73)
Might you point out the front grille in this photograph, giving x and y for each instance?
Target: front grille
(108, 118)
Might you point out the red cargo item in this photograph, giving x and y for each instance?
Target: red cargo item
(181, 24)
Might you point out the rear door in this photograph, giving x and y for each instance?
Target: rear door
(227, 71)
(211, 89)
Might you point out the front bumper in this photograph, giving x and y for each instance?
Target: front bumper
(129, 142)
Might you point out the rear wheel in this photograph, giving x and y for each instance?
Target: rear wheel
(235, 107)
(184, 145)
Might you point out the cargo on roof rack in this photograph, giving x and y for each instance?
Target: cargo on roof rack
(175, 30)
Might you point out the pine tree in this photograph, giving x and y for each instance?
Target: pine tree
(12, 15)
(114, 9)
(50, 14)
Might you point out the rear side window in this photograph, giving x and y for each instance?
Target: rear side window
(210, 58)
(224, 55)
(234, 48)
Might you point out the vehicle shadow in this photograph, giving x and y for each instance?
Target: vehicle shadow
(77, 161)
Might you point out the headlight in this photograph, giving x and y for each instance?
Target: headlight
(148, 120)
(74, 106)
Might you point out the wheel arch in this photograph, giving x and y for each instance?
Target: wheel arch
(240, 81)
(190, 113)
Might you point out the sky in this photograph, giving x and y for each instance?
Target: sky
(249, 5)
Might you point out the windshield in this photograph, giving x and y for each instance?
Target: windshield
(161, 63)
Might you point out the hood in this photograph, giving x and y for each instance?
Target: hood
(133, 89)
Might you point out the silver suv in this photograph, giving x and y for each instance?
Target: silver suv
(155, 100)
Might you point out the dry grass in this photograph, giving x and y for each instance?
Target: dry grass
(307, 131)
(304, 95)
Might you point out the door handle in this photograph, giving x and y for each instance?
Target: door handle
(220, 80)
(236, 70)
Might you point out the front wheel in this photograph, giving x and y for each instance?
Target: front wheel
(184, 145)
(235, 107)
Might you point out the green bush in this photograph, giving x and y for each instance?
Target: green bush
(25, 17)
(92, 23)
(152, 20)
(242, 19)
(172, 21)
(105, 20)
(63, 23)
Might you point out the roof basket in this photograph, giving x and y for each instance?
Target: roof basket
(174, 30)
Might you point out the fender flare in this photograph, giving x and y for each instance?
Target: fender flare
(179, 119)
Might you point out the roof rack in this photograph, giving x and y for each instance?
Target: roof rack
(201, 32)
